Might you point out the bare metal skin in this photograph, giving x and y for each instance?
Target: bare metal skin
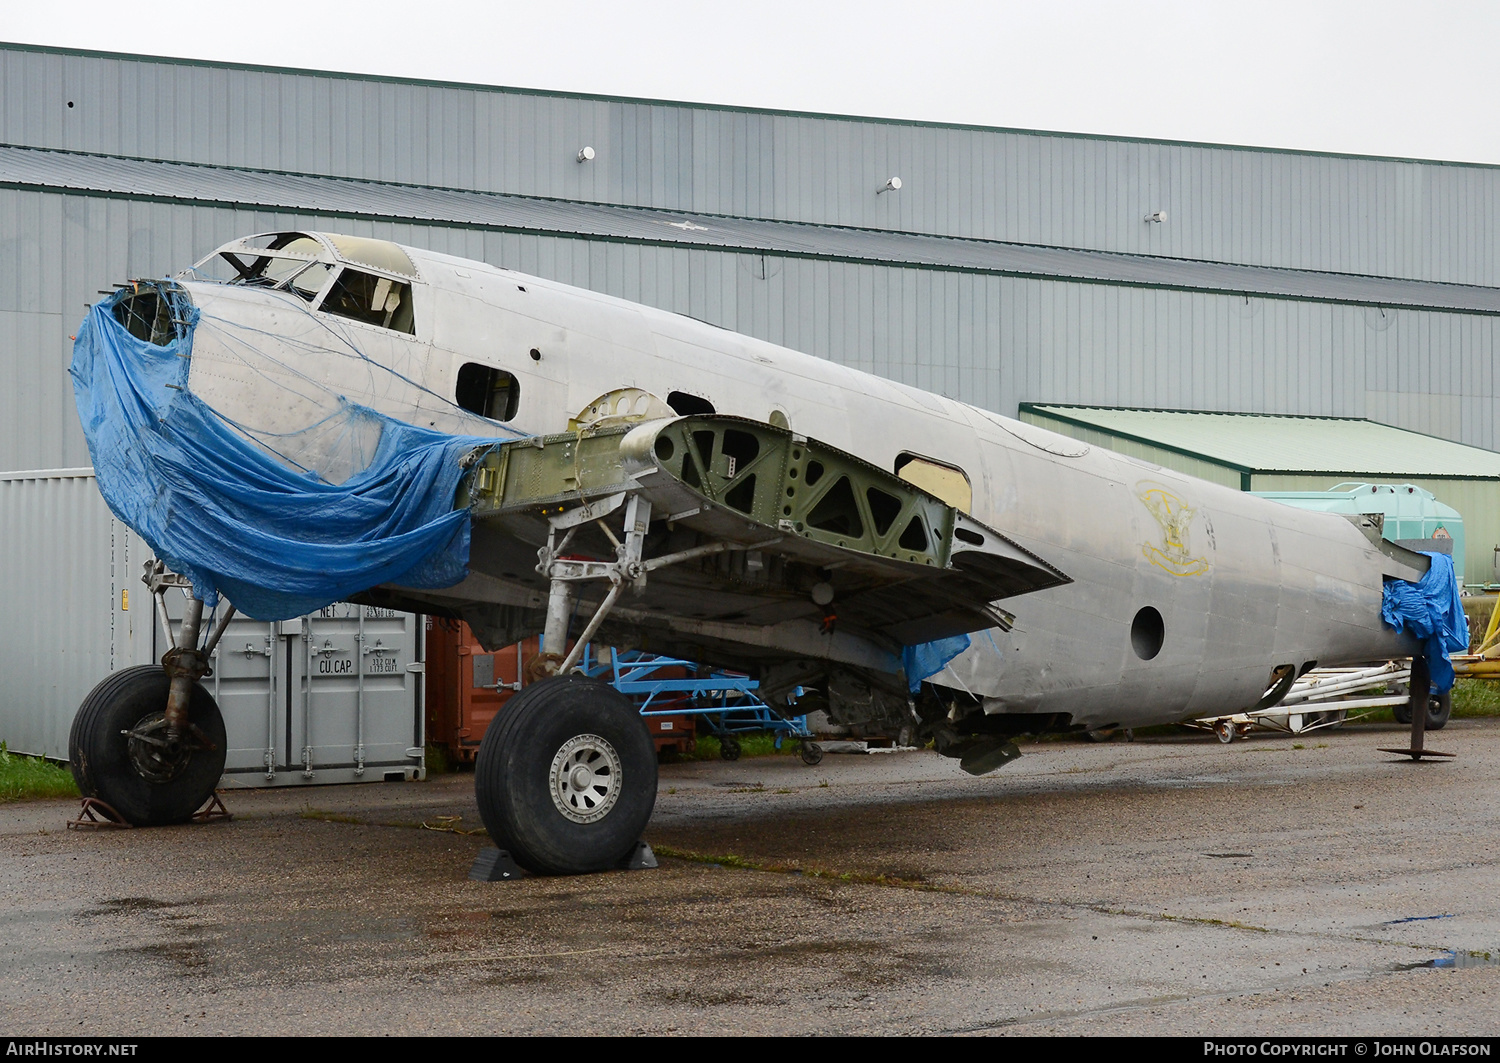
(1184, 598)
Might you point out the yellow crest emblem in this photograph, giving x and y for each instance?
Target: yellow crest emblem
(1174, 553)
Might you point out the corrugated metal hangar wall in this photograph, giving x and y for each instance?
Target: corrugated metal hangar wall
(1010, 266)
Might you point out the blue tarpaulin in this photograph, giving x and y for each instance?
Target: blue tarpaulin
(930, 658)
(276, 541)
(1431, 611)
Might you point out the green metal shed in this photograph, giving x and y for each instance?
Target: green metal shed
(1270, 452)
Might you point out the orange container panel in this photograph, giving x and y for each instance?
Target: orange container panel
(467, 685)
(672, 732)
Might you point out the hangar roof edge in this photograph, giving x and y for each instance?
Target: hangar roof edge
(220, 186)
(390, 79)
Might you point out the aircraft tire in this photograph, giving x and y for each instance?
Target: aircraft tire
(146, 785)
(566, 777)
(1439, 710)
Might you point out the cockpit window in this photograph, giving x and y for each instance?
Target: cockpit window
(309, 280)
(373, 300)
(283, 260)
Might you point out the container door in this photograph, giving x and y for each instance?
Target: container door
(247, 685)
(355, 711)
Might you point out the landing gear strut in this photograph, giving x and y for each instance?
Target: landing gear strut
(149, 741)
(566, 774)
(1422, 699)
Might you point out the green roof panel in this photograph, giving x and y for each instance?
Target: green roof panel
(1281, 443)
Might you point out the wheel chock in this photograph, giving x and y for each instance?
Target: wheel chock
(497, 865)
(97, 815)
(213, 810)
(494, 865)
(640, 858)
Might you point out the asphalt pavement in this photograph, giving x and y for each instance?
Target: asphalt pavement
(1274, 886)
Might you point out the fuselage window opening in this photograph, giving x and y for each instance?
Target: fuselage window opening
(947, 482)
(689, 405)
(378, 301)
(487, 391)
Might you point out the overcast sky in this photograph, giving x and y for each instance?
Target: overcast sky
(1374, 77)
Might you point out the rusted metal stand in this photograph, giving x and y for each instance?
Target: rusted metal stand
(1420, 693)
(98, 815)
(212, 811)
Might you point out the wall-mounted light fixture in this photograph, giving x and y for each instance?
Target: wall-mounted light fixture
(893, 185)
(1157, 216)
(585, 154)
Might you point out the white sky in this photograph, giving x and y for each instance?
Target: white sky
(1373, 77)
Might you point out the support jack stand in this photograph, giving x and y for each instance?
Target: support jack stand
(212, 811)
(98, 815)
(1418, 709)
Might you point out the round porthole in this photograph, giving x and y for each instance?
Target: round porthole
(1147, 631)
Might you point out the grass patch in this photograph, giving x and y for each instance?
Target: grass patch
(1473, 698)
(752, 744)
(25, 778)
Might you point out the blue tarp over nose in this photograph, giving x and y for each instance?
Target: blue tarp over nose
(1431, 611)
(236, 521)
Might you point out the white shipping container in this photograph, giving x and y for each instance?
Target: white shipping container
(332, 697)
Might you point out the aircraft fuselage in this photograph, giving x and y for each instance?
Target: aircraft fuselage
(1185, 595)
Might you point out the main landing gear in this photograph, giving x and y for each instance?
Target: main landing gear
(149, 741)
(566, 777)
(566, 774)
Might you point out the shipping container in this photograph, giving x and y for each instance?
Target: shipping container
(336, 696)
(467, 685)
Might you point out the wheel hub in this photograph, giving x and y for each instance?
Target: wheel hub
(585, 778)
(156, 756)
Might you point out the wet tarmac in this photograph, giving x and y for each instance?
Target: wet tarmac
(1274, 886)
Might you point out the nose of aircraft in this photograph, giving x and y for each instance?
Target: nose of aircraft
(146, 314)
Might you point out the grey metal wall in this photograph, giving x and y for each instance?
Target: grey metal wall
(66, 621)
(1383, 217)
(989, 340)
(335, 696)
